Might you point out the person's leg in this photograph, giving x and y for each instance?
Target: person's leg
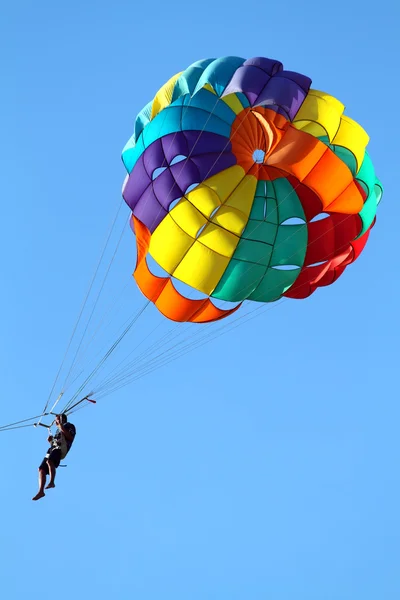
(42, 481)
(53, 461)
(52, 471)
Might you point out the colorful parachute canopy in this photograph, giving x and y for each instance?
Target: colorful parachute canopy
(245, 184)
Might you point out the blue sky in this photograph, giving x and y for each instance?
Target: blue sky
(263, 465)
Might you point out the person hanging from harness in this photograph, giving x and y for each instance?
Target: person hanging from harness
(60, 445)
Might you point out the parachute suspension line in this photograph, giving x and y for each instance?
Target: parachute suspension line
(118, 370)
(106, 356)
(166, 357)
(111, 306)
(19, 424)
(97, 298)
(95, 274)
(17, 427)
(101, 352)
(83, 306)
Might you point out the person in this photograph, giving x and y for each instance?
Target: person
(60, 446)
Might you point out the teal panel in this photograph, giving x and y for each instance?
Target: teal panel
(206, 100)
(171, 120)
(143, 119)
(271, 211)
(131, 152)
(290, 245)
(274, 283)
(260, 231)
(219, 73)
(199, 120)
(288, 202)
(238, 281)
(255, 252)
(188, 80)
(242, 99)
(258, 209)
(367, 178)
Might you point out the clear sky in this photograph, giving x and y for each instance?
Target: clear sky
(262, 466)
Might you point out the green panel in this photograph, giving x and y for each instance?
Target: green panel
(347, 157)
(255, 252)
(238, 281)
(290, 245)
(366, 175)
(289, 205)
(257, 209)
(271, 213)
(260, 231)
(274, 284)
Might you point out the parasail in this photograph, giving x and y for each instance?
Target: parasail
(245, 184)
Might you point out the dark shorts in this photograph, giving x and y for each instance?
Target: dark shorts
(53, 454)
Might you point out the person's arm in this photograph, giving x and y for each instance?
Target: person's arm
(68, 436)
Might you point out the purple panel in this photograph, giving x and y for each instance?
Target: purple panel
(149, 200)
(302, 80)
(263, 81)
(137, 184)
(154, 159)
(269, 65)
(174, 144)
(211, 164)
(149, 210)
(166, 188)
(184, 173)
(285, 93)
(250, 80)
(206, 142)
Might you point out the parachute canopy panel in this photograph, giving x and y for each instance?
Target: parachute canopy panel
(231, 169)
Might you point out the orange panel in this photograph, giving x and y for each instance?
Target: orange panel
(162, 292)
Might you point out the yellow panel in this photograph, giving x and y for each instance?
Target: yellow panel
(352, 136)
(210, 88)
(231, 219)
(204, 199)
(242, 197)
(225, 182)
(201, 268)
(188, 217)
(310, 127)
(322, 109)
(219, 240)
(216, 190)
(164, 95)
(234, 103)
(169, 244)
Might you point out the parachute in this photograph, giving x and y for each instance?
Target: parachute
(245, 184)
